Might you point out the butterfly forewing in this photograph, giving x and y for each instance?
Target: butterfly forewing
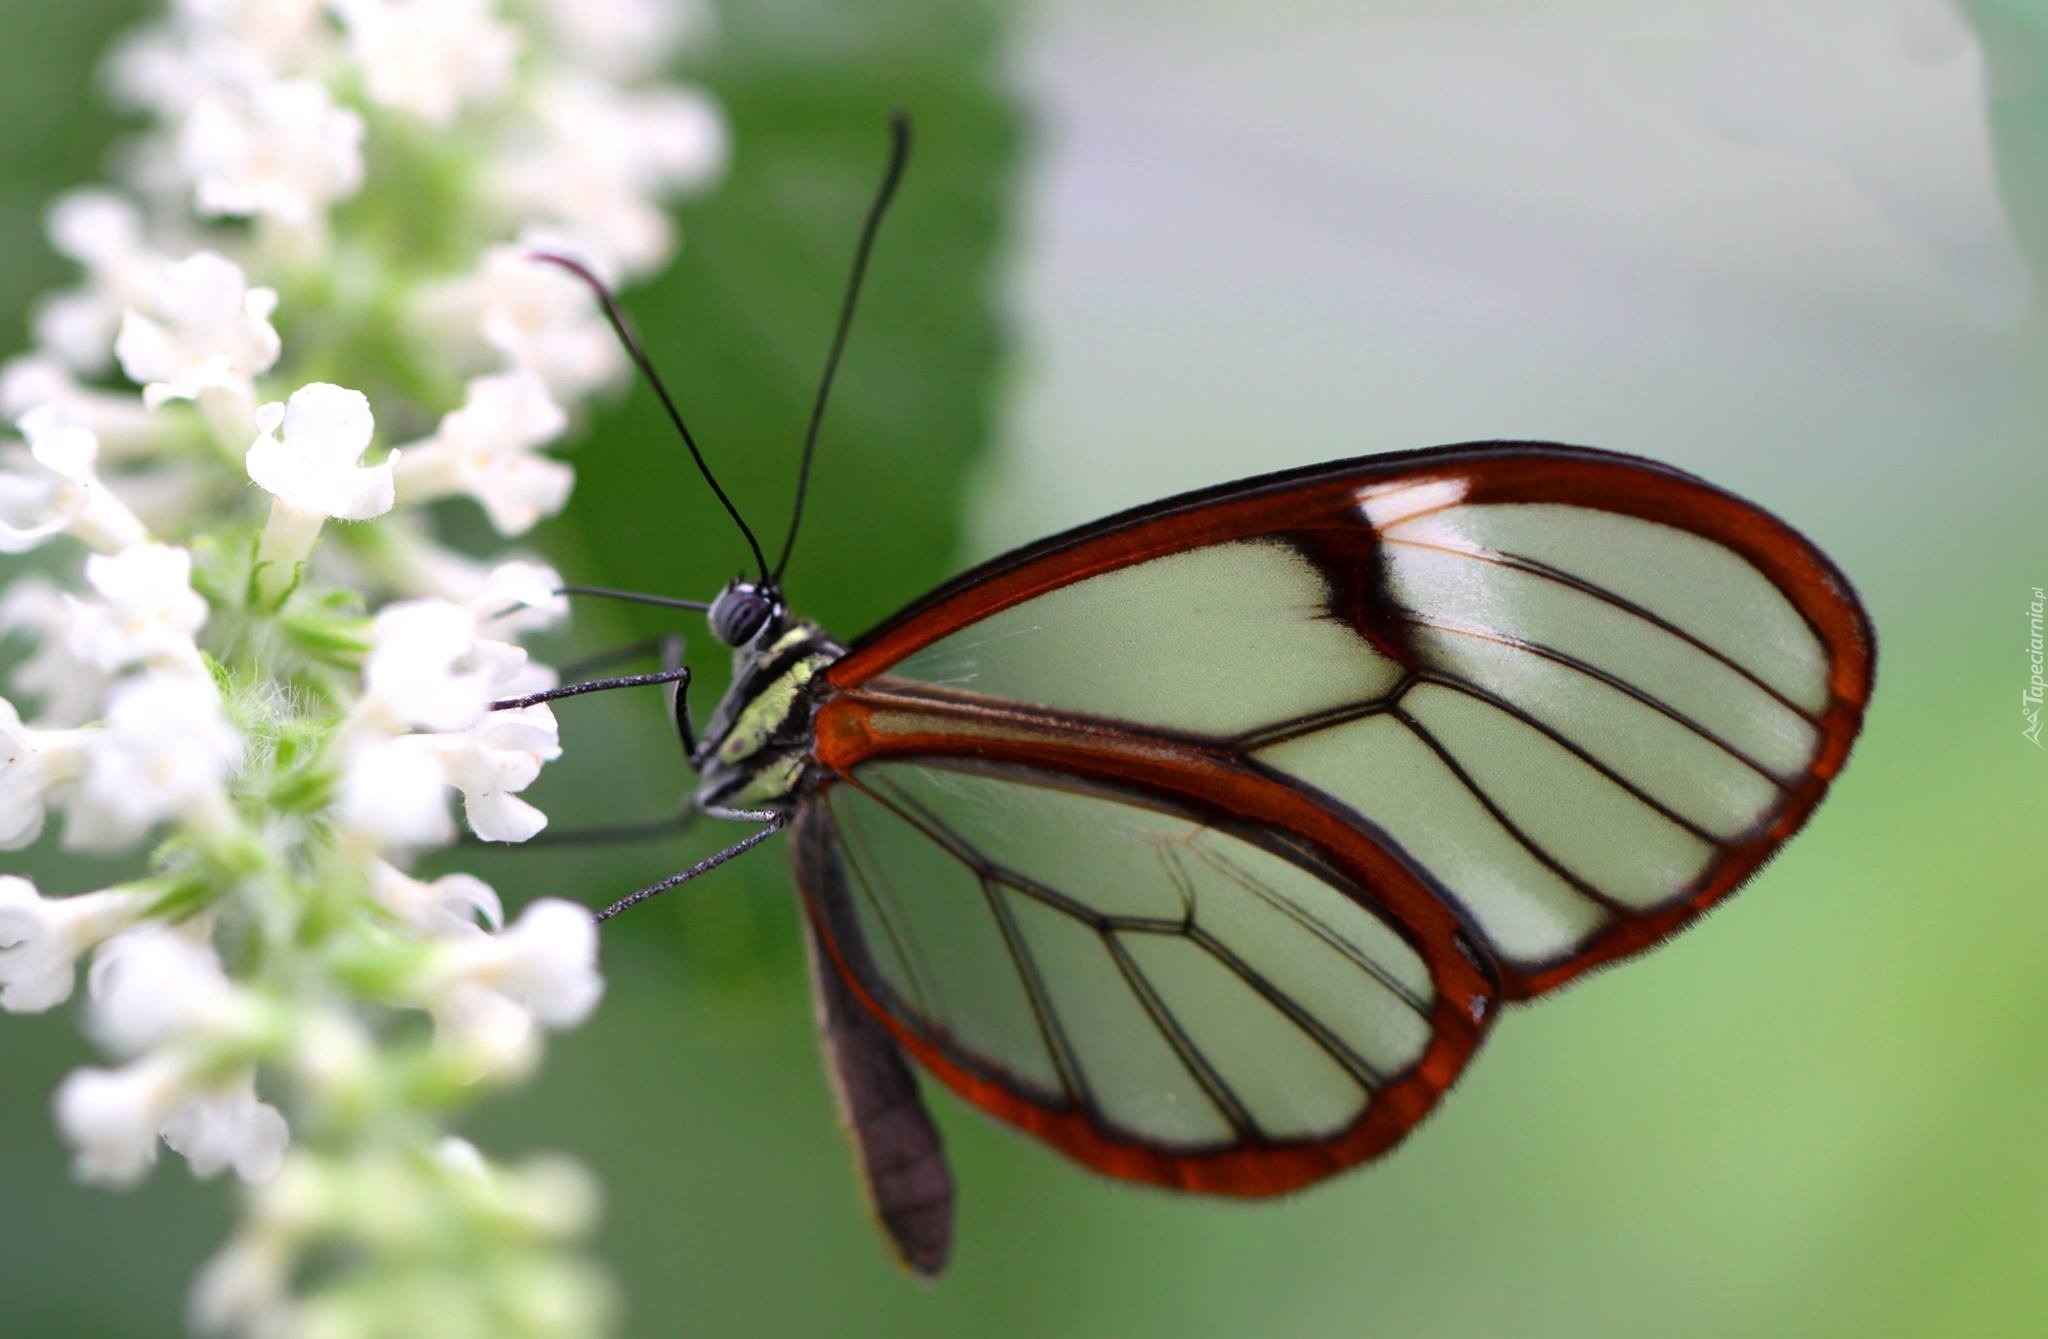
(1108, 815)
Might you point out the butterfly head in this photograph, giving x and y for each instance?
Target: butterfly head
(744, 609)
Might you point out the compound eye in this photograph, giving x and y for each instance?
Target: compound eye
(738, 614)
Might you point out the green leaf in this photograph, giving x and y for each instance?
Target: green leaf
(739, 327)
(741, 324)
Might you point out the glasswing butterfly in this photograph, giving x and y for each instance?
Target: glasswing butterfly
(1204, 842)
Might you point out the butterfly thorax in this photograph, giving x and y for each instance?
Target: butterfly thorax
(758, 741)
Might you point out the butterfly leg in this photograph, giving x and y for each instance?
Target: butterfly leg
(685, 729)
(771, 823)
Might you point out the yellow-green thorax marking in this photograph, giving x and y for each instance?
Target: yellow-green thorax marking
(759, 739)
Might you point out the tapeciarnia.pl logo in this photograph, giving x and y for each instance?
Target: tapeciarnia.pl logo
(2030, 700)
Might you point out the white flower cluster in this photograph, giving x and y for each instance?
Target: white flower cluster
(274, 712)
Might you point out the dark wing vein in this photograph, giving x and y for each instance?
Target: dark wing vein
(1315, 926)
(1579, 751)
(1279, 732)
(1513, 829)
(1054, 1035)
(1538, 568)
(1622, 686)
(910, 955)
(1357, 1066)
(1213, 1084)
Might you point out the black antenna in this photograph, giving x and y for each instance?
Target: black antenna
(624, 330)
(899, 154)
(635, 597)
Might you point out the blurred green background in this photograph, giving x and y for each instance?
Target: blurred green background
(1146, 246)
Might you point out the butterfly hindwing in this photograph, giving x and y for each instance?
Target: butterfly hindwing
(1157, 995)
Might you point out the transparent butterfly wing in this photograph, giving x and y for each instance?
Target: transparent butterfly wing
(1160, 997)
(1525, 708)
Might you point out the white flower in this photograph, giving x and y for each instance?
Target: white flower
(451, 904)
(280, 149)
(228, 1127)
(546, 961)
(463, 1158)
(41, 939)
(104, 234)
(242, 1288)
(391, 789)
(278, 33)
(166, 752)
(33, 763)
(334, 1057)
(123, 425)
(487, 450)
(156, 983)
(429, 57)
(494, 760)
(112, 1116)
(516, 597)
(148, 612)
(492, 1035)
(165, 68)
(602, 158)
(153, 68)
(625, 40)
(204, 329)
(428, 668)
(532, 314)
(309, 452)
(53, 487)
(69, 689)
(392, 793)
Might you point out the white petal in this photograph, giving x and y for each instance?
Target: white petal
(203, 328)
(425, 665)
(33, 764)
(112, 1117)
(519, 596)
(283, 149)
(94, 227)
(393, 791)
(69, 689)
(242, 1289)
(331, 421)
(497, 816)
(230, 1128)
(308, 453)
(167, 752)
(150, 611)
(155, 983)
(548, 961)
(429, 57)
(494, 1035)
(451, 904)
